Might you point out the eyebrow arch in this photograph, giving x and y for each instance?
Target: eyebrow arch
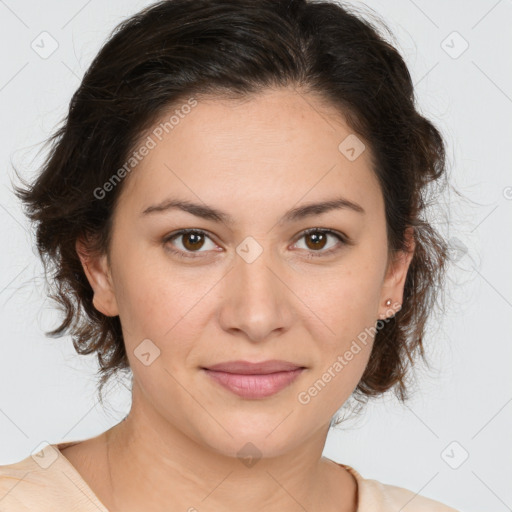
(215, 215)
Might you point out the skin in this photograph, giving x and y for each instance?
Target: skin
(255, 159)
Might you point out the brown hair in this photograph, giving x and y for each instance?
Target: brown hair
(176, 49)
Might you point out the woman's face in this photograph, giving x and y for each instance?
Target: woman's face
(252, 286)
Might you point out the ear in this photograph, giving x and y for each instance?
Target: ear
(98, 274)
(396, 273)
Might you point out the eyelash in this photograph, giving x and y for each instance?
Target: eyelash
(312, 254)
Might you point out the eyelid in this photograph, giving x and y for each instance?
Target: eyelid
(343, 239)
(177, 234)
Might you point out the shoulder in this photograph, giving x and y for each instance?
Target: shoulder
(20, 483)
(375, 496)
(397, 498)
(41, 482)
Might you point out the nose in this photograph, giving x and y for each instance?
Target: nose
(256, 298)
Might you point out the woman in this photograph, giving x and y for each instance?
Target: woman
(234, 211)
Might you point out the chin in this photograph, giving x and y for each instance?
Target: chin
(252, 436)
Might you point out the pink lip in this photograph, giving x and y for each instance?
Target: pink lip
(248, 368)
(254, 380)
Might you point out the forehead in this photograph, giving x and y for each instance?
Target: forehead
(276, 146)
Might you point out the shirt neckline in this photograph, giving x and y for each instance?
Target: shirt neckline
(77, 478)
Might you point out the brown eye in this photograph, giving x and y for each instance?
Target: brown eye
(317, 240)
(193, 241)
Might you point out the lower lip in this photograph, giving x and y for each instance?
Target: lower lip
(254, 386)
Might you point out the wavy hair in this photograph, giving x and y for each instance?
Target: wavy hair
(176, 49)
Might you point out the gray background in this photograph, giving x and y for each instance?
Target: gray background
(462, 408)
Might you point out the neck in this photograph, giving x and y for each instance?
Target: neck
(154, 466)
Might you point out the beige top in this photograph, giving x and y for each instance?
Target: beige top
(47, 482)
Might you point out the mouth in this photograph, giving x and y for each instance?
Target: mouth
(254, 380)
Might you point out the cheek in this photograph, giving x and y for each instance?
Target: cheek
(150, 301)
(344, 300)
(160, 301)
(343, 332)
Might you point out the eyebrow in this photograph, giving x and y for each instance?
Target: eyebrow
(213, 214)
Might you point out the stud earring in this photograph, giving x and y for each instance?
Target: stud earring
(388, 302)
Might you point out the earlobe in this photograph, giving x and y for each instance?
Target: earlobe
(394, 283)
(98, 274)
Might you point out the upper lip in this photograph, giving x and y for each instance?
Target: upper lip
(248, 368)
